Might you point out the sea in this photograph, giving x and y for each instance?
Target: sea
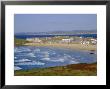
(28, 57)
(41, 36)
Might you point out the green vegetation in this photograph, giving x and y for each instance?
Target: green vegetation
(19, 42)
(69, 70)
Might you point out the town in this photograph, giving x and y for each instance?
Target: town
(63, 40)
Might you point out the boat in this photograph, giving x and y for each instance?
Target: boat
(91, 53)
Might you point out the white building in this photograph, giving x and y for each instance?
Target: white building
(66, 40)
(29, 39)
(36, 40)
(85, 42)
(93, 41)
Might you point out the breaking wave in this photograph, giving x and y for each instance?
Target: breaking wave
(22, 49)
(23, 60)
(31, 55)
(46, 57)
(17, 68)
(73, 62)
(31, 63)
(36, 50)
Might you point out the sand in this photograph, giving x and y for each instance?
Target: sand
(70, 46)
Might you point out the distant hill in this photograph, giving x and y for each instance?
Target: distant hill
(73, 32)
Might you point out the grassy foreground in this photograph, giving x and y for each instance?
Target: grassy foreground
(69, 70)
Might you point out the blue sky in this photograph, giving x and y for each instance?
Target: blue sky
(54, 22)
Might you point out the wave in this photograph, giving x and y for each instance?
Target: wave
(31, 63)
(45, 59)
(45, 52)
(53, 53)
(59, 60)
(73, 62)
(15, 57)
(17, 68)
(36, 50)
(53, 59)
(22, 60)
(31, 55)
(21, 49)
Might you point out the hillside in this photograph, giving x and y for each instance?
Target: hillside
(69, 70)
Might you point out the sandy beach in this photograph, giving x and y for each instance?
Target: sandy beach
(70, 46)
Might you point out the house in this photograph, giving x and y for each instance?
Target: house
(29, 39)
(85, 42)
(35, 40)
(66, 40)
(93, 41)
(89, 41)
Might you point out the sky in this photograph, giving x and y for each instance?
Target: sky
(54, 22)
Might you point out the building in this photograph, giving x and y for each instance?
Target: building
(94, 41)
(66, 40)
(85, 42)
(89, 41)
(35, 40)
(29, 39)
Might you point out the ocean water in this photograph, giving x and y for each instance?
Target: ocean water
(28, 57)
(41, 36)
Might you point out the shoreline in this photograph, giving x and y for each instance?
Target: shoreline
(68, 46)
(83, 69)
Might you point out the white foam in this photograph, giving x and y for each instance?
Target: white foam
(28, 50)
(31, 55)
(53, 53)
(53, 59)
(78, 56)
(15, 57)
(46, 59)
(59, 60)
(66, 56)
(37, 50)
(31, 63)
(18, 50)
(73, 62)
(21, 50)
(22, 60)
(73, 58)
(15, 49)
(17, 68)
(45, 52)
